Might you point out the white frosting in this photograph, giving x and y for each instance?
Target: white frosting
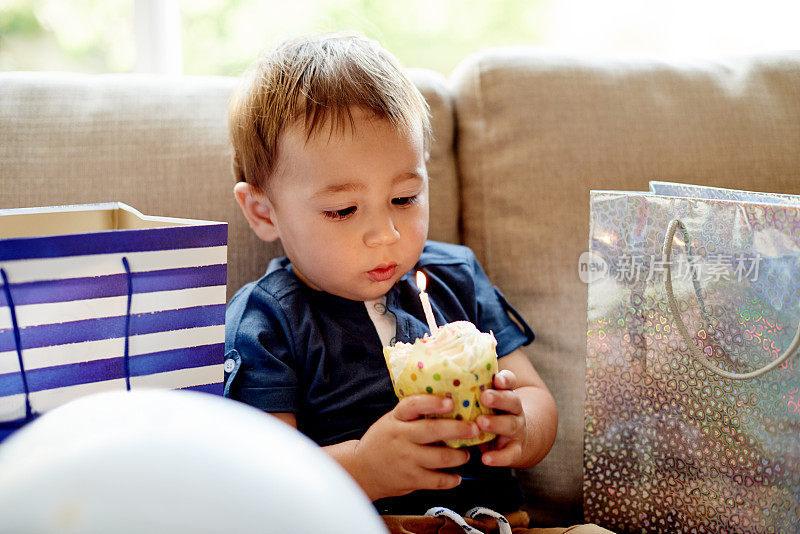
(458, 343)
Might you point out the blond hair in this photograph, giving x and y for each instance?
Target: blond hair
(313, 79)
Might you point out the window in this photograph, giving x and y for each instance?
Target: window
(221, 37)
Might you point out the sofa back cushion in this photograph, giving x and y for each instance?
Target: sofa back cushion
(161, 145)
(536, 132)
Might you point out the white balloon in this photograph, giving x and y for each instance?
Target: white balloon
(172, 462)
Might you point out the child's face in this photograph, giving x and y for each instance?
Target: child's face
(351, 208)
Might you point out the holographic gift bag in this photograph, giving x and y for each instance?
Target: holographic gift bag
(692, 384)
(674, 189)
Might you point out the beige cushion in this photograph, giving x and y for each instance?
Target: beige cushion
(156, 143)
(160, 144)
(536, 132)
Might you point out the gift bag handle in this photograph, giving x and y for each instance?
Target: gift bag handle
(29, 414)
(673, 306)
(17, 344)
(125, 355)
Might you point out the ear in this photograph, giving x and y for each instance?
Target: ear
(258, 211)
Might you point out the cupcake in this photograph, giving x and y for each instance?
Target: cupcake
(457, 362)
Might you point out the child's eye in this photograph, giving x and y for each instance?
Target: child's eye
(405, 201)
(340, 214)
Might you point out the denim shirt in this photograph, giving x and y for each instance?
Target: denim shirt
(293, 349)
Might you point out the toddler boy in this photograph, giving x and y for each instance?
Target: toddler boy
(330, 142)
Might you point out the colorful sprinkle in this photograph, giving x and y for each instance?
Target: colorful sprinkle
(476, 376)
(448, 395)
(413, 377)
(456, 383)
(488, 366)
(429, 389)
(459, 417)
(482, 387)
(401, 393)
(437, 376)
(419, 364)
(465, 403)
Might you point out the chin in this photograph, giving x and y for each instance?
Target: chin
(381, 288)
(373, 291)
(374, 295)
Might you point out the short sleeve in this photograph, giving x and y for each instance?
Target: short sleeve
(259, 356)
(494, 313)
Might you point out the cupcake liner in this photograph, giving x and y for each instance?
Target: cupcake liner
(446, 378)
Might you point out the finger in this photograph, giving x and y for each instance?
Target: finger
(438, 457)
(506, 401)
(415, 406)
(503, 457)
(436, 480)
(502, 425)
(501, 442)
(505, 379)
(426, 431)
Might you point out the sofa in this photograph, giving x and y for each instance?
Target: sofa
(521, 137)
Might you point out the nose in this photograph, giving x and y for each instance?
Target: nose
(382, 232)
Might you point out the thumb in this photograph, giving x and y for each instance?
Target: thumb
(505, 379)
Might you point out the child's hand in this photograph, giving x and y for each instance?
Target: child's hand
(398, 455)
(510, 424)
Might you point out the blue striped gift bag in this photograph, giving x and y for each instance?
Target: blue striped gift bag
(100, 297)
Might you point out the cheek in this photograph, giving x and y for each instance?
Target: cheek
(418, 220)
(415, 232)
(421, 229)
(308, 239)
(327, 244)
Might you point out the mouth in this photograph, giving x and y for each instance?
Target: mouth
(382, 272)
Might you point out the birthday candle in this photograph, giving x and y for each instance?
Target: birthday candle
(422, 283)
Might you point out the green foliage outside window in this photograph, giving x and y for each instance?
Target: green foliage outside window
(221, 37)
(78, 35)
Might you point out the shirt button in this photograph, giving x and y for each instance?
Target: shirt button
(230, 364)
(380, 308)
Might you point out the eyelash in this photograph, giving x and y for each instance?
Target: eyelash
(407, 201)
(339, 214)
(342, 214)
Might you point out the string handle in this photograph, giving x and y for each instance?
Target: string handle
(29, 414)
(126, 355)
(673, 307)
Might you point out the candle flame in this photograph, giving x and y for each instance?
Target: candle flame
(422, 282)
